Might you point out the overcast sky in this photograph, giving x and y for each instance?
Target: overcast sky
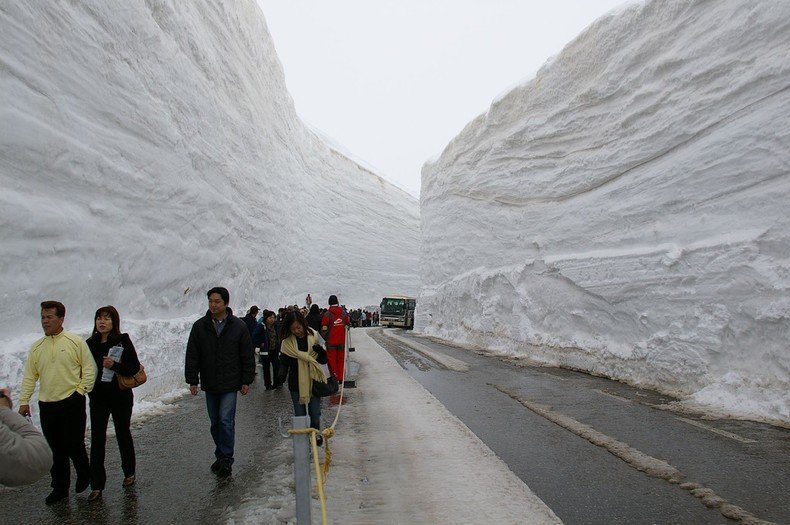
(395, 81)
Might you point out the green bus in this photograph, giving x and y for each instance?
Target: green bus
(397, 310)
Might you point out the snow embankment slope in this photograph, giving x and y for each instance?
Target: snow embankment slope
(150, 150)
(625, 212)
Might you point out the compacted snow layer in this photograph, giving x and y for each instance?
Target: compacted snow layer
(149, 150)
(625, 211)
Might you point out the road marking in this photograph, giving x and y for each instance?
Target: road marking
(653, 467)
(724, 433)
(619, 398)
(444, 360)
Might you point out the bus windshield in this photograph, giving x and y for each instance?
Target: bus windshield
(393, 306)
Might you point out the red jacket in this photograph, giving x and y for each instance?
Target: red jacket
(336, 320)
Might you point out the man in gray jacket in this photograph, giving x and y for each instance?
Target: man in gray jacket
(25, 455)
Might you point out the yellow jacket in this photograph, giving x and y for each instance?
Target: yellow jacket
(63, 364)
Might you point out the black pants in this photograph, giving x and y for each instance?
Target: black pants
(63, 424)
(271, 365)
(106, 402)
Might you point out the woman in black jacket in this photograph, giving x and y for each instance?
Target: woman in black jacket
(300, 355)
(114, 354)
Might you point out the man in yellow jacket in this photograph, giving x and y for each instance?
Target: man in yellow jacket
(62, 364)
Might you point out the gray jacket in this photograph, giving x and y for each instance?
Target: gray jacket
(25, 455)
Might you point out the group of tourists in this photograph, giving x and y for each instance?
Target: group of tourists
(293, 344)
(68, 369)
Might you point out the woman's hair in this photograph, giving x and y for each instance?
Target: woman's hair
(267, 314)
(291, 318)
(116, 320)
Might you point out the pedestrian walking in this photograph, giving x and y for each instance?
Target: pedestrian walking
(333, 329)
(62, 365)
(300, 357)
(113, 353)
(269, 340)
(251, 319)
(221, 361)
(25, 456)
(314, 318)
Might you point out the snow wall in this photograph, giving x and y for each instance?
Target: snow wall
(149, 150)
(625, 212)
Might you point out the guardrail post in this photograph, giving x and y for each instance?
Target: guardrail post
(302, 470)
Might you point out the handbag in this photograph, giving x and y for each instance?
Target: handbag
(129, 382)
(331, 387)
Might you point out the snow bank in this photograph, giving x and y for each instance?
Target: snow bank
(150, 150)
(625, 212)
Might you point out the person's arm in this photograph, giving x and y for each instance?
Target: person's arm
(25, 455)
(29, 378)
(129, 363)
(247, 357)
(192, 362)
(89, 372)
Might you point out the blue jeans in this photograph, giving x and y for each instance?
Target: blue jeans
(314, 407)
(222, 413)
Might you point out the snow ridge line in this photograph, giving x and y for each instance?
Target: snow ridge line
(653, 467)
(446, 361)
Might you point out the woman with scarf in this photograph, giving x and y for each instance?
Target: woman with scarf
(114, 354)
(300, 357)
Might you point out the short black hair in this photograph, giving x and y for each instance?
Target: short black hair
(223, 292)
(253, 310)
(333, 300)
(60, 308)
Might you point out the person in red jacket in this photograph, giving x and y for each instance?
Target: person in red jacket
(333, 329)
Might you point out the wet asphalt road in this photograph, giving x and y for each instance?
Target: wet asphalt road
(174, 482)
(584, 483)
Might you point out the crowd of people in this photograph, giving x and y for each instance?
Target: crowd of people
(297, 346)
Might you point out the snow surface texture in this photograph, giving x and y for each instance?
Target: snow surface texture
(149, 151)
(625, 211)
(400, 457)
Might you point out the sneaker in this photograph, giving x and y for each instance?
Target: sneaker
(128, 481)
(215, 466)
(94, 495)
(55, 496)
(82, 484)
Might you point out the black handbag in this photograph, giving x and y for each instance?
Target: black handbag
(331, 387)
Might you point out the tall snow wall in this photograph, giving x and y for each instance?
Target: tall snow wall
(625, 212)
(149, 150)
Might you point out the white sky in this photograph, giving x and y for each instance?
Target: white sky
(395, 81)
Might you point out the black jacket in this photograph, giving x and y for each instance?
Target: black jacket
(223, 363)
(289, 366)
(128, 366)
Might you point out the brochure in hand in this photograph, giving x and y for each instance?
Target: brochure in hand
(114, 354)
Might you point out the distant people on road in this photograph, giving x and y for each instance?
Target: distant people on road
(250, 319)
(63, 366)
(220, 358)
(308, 301)
(113, 353)
(300, 357)
(25, 456)
(333, 330)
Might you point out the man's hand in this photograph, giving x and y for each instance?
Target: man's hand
(24, 410)
(5, 399)
(193, 389)
(245, 389)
